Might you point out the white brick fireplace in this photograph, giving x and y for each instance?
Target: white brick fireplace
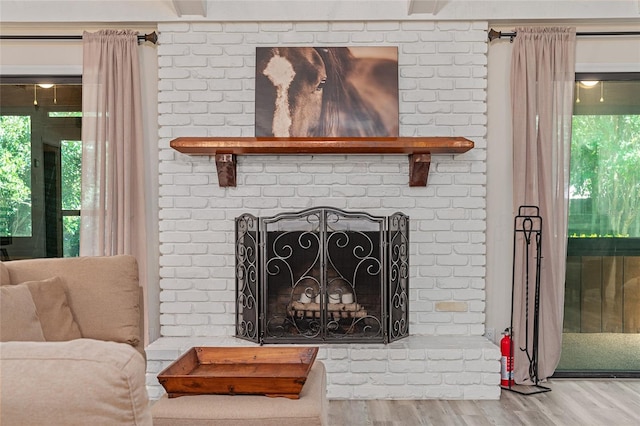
(206, 88)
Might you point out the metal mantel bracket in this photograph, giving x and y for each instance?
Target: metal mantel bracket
(226, 166)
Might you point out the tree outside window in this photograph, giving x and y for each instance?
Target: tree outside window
(15, 176)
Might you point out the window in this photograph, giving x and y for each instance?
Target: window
(71, 160)
(40, 166)
(602, 291)
(15, 187)
(605, 158)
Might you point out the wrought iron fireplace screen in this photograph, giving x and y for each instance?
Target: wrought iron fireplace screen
(322, 274)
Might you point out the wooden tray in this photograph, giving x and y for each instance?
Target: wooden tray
(269, 371)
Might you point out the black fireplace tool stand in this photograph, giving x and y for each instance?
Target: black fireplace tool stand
(528, 226)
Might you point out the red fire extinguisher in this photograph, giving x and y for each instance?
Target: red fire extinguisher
(506, 377)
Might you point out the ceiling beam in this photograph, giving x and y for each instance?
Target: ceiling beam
(427, 6)
(190, 7)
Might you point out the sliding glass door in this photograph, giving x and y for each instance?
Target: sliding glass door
(602, 294)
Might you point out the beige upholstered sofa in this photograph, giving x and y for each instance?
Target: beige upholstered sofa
(72, 346)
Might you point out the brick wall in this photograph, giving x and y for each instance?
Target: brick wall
(206, 88)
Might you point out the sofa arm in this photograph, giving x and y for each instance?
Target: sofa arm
(78, 382)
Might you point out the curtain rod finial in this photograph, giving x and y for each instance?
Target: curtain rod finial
(151, 37)
(493, 34)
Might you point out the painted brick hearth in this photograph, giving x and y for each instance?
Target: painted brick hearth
(206, 88)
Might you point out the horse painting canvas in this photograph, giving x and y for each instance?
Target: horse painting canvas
(326, 92)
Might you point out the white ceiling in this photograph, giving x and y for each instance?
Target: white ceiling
(480, 8)
(151, 11)
(199, 7)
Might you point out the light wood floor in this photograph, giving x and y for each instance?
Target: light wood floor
(571, 402)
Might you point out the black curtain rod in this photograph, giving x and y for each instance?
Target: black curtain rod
(493, 34)
(151, 37)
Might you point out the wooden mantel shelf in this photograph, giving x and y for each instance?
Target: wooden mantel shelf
(225, 150)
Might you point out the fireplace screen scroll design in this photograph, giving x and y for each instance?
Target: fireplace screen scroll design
(322, 275)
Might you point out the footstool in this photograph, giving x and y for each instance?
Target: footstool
(234, 410)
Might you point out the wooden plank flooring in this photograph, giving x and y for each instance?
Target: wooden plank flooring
(571, 402)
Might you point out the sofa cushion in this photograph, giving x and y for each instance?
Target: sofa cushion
(56, 319)
(80, 382)
(311, 409)
(18, 315)
(103, 292)
(4, 274)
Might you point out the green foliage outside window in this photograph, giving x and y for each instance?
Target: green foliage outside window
(605, 176)
(15, 176)
(15, 183)
(71, 154)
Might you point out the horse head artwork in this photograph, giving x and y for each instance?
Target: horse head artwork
(325, 92)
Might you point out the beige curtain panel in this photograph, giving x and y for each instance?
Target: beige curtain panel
(542, 81)
(112, 215)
